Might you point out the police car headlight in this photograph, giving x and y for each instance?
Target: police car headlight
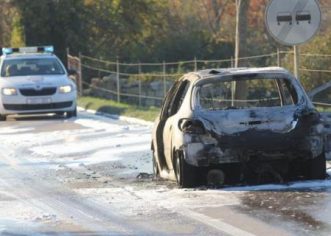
(65, 89)
(9, 91)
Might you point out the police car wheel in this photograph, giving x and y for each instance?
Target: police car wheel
(3, 117)
(72, 113)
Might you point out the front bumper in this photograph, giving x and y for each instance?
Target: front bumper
(20, 104)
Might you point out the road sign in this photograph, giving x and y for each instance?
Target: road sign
(293, 22)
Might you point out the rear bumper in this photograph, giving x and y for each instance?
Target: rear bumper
(254, 149)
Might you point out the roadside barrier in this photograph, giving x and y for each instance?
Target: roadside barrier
(145, 84)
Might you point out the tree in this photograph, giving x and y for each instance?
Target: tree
(17, 38)
(55, 22)
(9, 21)
(318, 46)
(240, 87)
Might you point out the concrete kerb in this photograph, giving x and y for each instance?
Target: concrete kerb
(117, 117)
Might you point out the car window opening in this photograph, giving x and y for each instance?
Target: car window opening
(246, 92)
(177, 100)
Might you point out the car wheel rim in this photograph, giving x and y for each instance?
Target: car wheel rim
(155, 168)
(178, 174)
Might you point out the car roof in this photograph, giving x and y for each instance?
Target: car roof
(219, 72)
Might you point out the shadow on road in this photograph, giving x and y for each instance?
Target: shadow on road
(35, 117)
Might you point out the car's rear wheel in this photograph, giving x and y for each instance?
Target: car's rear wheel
(3, 117)
(184, 172)
(317, 167)
(72, 113)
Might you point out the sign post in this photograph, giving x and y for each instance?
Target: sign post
(293, 22)
(296, 62)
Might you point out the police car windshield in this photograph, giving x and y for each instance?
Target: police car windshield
(31, 66)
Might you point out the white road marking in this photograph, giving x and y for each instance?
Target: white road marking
(215, 223)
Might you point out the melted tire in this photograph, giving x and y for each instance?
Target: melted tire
(185, 173)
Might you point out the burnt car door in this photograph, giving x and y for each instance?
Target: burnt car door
(172, 120)
(160, 123)
(170, 107)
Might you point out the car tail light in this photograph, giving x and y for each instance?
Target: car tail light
(191, 126)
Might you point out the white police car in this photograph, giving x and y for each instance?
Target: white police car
(33, 80)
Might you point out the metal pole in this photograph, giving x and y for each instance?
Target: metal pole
(296, 61)
(139, 71)
(68, 53)
(164, 79)
(279, 63)
(195, 64)
(232, 62)
(237, 48)
(237, 36)
(118, 80)
(80, 81)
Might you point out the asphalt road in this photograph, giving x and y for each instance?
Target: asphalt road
(92, 176)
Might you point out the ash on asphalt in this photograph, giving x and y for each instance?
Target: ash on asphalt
(297, 202)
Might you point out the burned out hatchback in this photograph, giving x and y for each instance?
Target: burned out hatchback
(225, 126)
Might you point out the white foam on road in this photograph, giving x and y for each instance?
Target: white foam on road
(100, 140)
(100, 125)
(14, 130)
(313, 185)
(14, 227)
(128, 145)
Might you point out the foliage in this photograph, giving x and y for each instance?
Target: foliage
(17, 33)
(57, 22)
(8, 14)
(319, 45)
(107, 106)
(148, 30)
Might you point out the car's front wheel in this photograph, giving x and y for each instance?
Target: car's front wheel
(3, 117)
(184, 172)
(72, 113)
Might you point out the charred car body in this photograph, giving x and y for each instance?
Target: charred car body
(238, 125)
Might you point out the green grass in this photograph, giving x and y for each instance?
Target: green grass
(115, 108)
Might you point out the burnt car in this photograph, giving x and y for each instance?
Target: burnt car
(236, 126)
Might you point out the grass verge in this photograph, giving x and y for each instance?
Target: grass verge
(115, 108)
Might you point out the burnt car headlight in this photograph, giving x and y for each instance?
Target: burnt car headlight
(9, 91)
(65, 89)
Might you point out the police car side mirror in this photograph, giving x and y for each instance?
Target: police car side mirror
(72, 72)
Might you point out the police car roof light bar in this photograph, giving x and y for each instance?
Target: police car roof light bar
(42, 49)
